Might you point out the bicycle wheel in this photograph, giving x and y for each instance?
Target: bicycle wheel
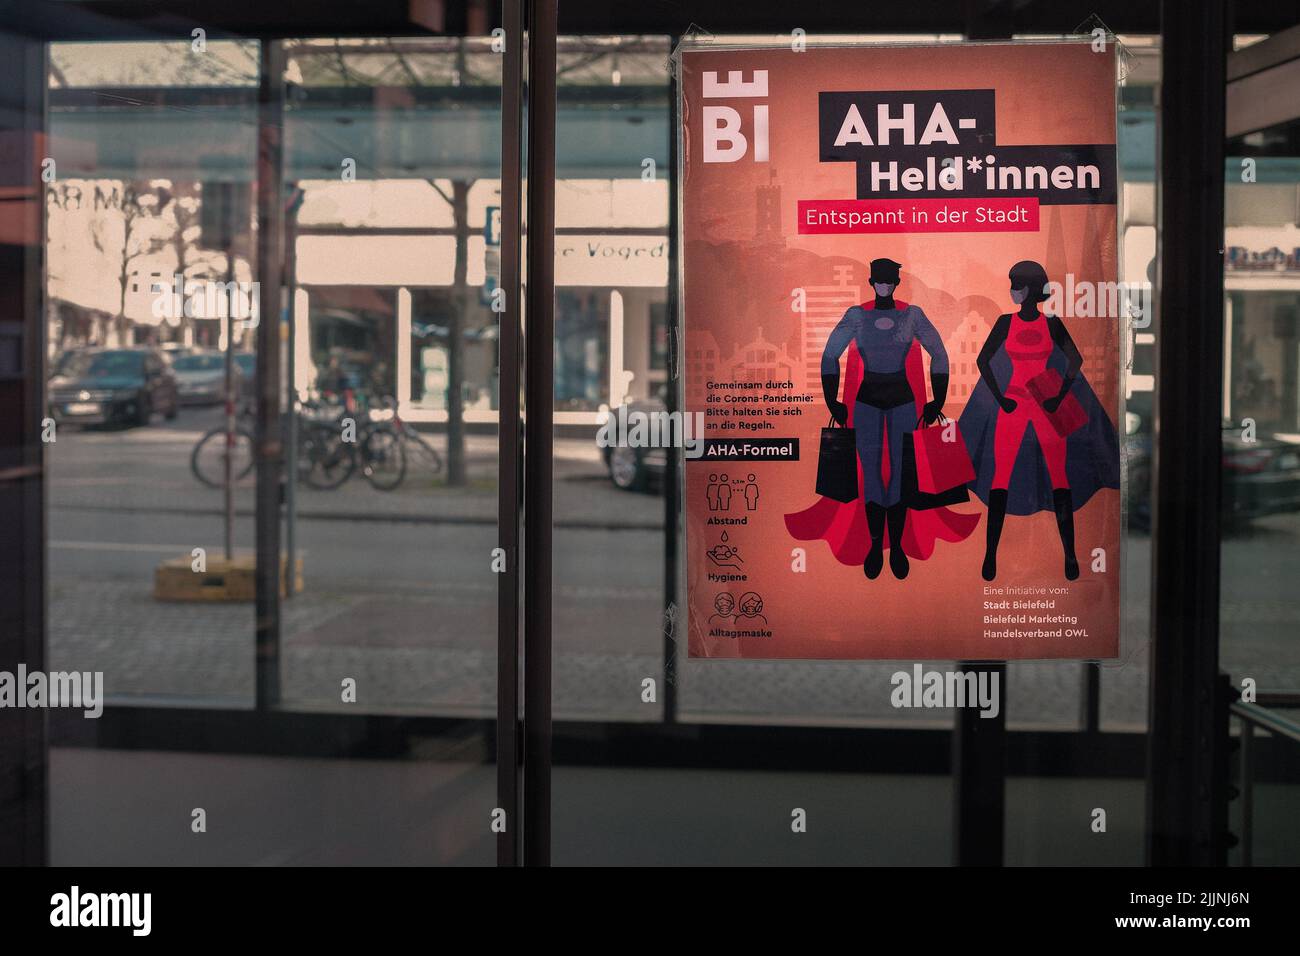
(208, 458)
(423, 450)
(383, 459)
(325, 460)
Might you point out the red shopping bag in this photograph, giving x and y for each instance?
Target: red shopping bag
(1069, 416)
(942, 461)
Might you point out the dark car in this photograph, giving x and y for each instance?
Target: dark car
(1260, 476)
(635, 469)
(98, 386)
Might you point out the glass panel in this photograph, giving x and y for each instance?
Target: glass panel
(394, 148)
(389, 370)
(1261, 410)
(611, 273)
(1123, 687)
(609, 643)
(1263, 813)
(130, 499)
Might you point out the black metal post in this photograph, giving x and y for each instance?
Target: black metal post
(270, 453)
(510, 456)
(979, 755)
(539, 335)
(1183, 825)
(672, 475)
(289, 420)
(1091, 697)
(1246, 784)
(230, 402)
(23, 761)
(456, 318)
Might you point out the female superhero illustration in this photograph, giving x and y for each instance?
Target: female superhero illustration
(1030, 454)
(884, 407)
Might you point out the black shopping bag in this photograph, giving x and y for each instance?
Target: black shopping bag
(919, 500)
(837, 464)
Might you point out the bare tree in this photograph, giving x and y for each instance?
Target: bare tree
(461, 302)
(139, 207)
(192, 260)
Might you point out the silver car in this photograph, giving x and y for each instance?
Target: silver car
(201, 377)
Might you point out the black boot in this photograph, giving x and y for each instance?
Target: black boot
(993, 532)
(1064, 506)
(876, 556)
(897, 517)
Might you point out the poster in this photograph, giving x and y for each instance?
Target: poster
(902, 334)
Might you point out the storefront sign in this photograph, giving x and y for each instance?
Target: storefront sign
(1261, 249)
(910, 444)
(626, 261)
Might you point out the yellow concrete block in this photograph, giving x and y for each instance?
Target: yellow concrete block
(234, 580)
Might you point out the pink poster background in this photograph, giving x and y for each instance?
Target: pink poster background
(742, 257)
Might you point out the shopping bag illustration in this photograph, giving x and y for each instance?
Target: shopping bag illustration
(942, 461)
(1069, 416)
(837, 464)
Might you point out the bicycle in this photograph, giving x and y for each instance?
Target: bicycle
(383, 456)
(412, 439)
(207, 461)
(326, 460)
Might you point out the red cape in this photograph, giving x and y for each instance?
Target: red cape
(844, 526)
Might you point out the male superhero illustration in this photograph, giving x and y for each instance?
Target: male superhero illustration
(1022, 462)
(884, 408)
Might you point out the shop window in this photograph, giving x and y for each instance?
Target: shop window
(581, 349)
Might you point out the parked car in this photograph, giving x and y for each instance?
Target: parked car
(174, 350)
(1260, 477)
(201, 377)
(99, 386)
(635, 469)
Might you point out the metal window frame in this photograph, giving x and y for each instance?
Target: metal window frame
(510, 437)
(24, 772)
(1259, 77)
(1186, 811)
(269, 452)
(539, 427)
(1182, 811)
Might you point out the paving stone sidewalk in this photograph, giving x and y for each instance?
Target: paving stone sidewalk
(435, 653)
